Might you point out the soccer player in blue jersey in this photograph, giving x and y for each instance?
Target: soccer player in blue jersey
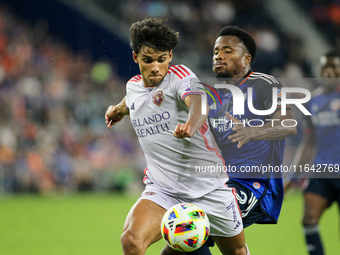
(321, 135)
(259, 197)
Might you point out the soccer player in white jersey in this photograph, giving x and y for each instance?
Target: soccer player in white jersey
(174, 142)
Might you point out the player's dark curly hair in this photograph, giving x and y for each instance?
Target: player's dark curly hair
(153, 33)
(243, 36)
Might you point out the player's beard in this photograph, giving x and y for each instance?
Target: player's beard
(224, 74)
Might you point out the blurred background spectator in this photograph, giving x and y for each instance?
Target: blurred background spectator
(54, 91)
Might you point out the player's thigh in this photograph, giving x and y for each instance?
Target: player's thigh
(144, 221)
(231, 245)
(314, 206)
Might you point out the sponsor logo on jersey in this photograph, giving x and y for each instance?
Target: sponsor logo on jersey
(157, 97)
(151, 125)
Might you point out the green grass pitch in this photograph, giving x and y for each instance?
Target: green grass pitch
(92, 224)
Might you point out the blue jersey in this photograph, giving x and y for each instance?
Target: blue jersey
(267, 188)
(324, 123)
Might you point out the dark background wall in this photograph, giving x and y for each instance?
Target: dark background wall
(77, 31)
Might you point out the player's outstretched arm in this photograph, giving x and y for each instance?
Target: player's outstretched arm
(195, 119)
(115, 113)
(272, 131)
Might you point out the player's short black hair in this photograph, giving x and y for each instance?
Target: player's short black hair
(243, 36)
(153, 33)
(332, 53)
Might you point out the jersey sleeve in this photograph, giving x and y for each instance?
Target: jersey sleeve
(128, 95)
(264, 91)
(189, 85)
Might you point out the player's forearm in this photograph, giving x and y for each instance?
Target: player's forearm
(280, 127)
(273, 132)
(121, 107)
(196, 118)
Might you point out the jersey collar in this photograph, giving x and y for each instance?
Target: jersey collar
(244, 78)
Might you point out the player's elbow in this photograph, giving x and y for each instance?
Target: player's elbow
(291, 131)
(289, 127)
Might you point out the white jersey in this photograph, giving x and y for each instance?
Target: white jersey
(173, 164)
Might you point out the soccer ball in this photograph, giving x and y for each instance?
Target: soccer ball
(185, 227)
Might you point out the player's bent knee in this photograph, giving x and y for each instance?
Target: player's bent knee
(131, 243)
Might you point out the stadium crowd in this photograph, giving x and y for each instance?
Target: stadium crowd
(198, 22)
(53, 100)
(325, 14)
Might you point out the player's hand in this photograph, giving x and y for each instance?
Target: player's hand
(299, 184)
(288, 186)
(182, 131)
(242, 134)
(113, 115)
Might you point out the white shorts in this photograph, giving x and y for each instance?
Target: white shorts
(220, 205)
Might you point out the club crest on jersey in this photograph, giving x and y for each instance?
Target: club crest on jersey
(256, 185)
(157, 97)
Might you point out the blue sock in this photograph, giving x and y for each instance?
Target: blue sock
(313, 240)
(204, 250)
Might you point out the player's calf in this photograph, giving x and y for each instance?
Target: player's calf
(232, 245)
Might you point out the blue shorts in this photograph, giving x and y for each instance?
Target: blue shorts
(250, 207)
(328, 188)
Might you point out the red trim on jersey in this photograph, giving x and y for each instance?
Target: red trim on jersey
(209, 148)
(234, 193)
(245, 79)
(191, 92)
(179, 70)
(204, 128)
(185, 70)
(174, 71)
(146, 176)
(136, 78)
